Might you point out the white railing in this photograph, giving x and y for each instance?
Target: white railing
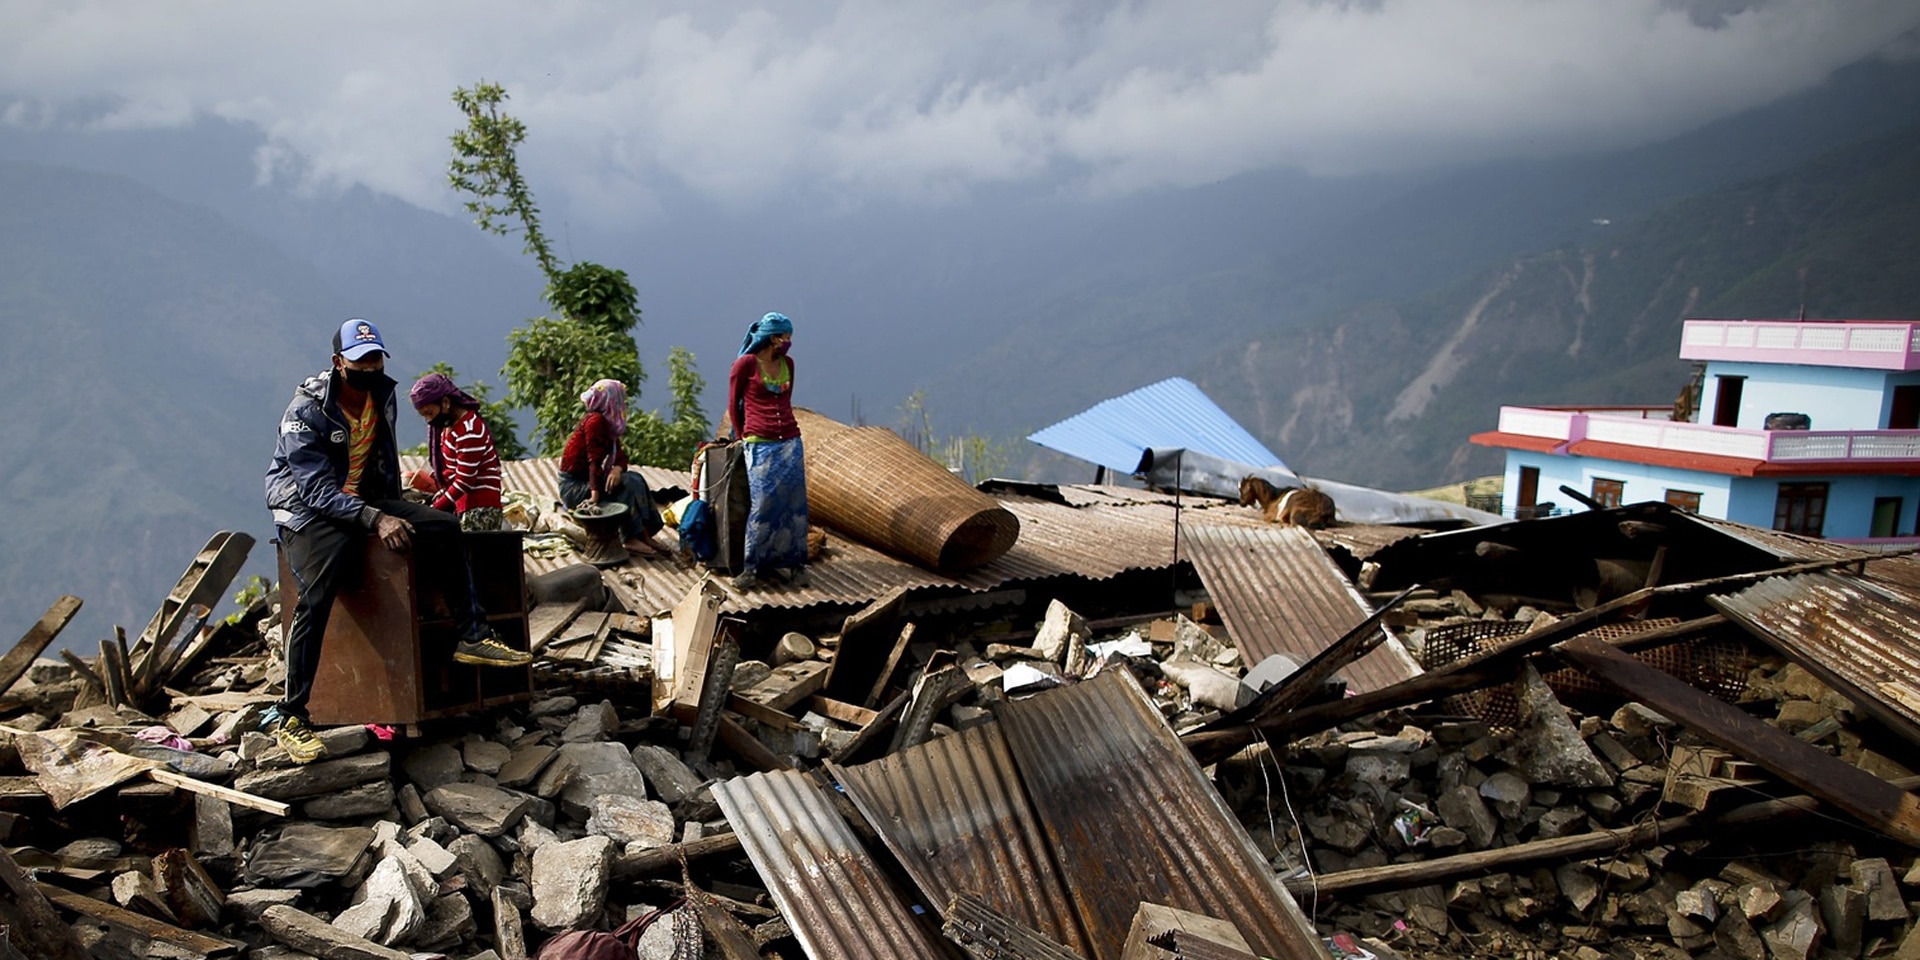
(1621, 425)
(1877, 345)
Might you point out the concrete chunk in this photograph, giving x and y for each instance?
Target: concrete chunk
(671, 779)
(569, 881)
(626, 819)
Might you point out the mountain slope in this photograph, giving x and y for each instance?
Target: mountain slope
(1388, 393)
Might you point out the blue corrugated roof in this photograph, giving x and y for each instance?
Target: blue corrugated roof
(1171, 413)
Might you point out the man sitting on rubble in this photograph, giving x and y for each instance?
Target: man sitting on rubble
(334, 480)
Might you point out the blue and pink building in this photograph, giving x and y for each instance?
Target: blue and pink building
(1807, 426)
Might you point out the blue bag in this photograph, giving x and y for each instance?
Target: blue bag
(696, 530)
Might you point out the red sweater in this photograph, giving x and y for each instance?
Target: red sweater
(591, 451)
(755, 410)
(469, 474)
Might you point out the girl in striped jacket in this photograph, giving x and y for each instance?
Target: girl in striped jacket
(465, 476)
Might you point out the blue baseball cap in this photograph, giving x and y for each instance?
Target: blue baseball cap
(356, 338)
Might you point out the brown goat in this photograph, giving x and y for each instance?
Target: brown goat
(1294, 507)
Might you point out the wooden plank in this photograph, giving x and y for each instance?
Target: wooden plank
(199, 943)
(851, 753)
(839, 710)
(761, 713)
(1768, 814)
(14, 665)
(788, 684)
(865, 634)
(1874, 801)
(548, 619)
(42, 933)
(113, 673)
(893, 662)
(230, 795)
(748, 747)
(658, 861)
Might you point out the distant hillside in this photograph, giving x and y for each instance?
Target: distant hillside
(1387, 393)
(1120, 329)
(149, 349)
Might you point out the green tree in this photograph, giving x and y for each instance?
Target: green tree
(671, 440)
(972, 456)
(497, 414)
(550, 362)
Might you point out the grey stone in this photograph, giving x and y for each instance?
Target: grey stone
(478, 861)
(1845, 911)
(1057, 630)
(1269, 671)
(436, 829)
(325, 776)
(487, 811)
(1560, 822)
(1384, 767)
(662, 939)
(449, 922)
(569, 881)
(365, 800)
(485, 756)
(1580, 889)
(436, 858)
(1759, 901)
(1796, 935)
(250, 903)
(1546, 746)
(212, 832)
(1462, 809)
(671, 779)
(1873, 876)
(748, 673)
(308, 933)
(1639, 720)
(526, 762)
(627, 819)
(306, 850)
(582, 771)
(1445, 837)
(594, 722)
(433, 765)
(1508, 794)
(552, 707)
(1697, 903)
(388, 909)
(407, 798)
(1735, 938)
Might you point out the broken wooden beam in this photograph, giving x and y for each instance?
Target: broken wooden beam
(1879, 804)
(1671, 830)
(892, 663)
(14, 665)
(198, 943)
(660, 861)
(41, 932)
(748, 747)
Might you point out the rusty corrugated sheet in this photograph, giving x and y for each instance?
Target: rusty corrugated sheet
(953, 812)
(1362, 540)
(1279, 593)
(1861, 637)
(838, 901)
(1131, 818)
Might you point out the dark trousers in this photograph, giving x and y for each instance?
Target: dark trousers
(326, 554)
(643, 518)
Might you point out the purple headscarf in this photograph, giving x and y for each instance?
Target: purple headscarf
(608, 398)
(435, 387)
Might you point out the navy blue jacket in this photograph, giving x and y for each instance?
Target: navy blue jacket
(310, 458)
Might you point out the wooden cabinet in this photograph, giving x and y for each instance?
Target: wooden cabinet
(387, 656)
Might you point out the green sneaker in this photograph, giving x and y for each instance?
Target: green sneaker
(298, 740)
(490, 653)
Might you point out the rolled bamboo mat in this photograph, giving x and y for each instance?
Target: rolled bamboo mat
(870, 484)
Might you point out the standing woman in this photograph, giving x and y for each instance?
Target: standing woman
(760, 409)
(465, 474)
(593, 467)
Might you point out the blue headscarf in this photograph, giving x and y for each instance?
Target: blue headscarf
(764, 329)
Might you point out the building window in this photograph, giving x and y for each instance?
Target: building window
(1726, 401)
(1801, 508)
(1687, 500)
(1886, 517)
(1609, 492)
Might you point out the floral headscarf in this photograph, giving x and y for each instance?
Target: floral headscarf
(608, 398)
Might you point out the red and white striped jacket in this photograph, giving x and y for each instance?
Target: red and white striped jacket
(468, 474)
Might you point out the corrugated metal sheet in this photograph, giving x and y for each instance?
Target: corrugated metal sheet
(838, 901)
(1130, 817)
(1861, 636)
(1279, 593)
(953, 812)
(1171, 413)
(1362, 540)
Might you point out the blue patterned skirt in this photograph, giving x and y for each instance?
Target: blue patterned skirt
(777, 518)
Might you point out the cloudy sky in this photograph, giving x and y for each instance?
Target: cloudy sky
(921, 101)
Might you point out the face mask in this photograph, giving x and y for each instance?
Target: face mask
(361, 379)
(780, 349)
